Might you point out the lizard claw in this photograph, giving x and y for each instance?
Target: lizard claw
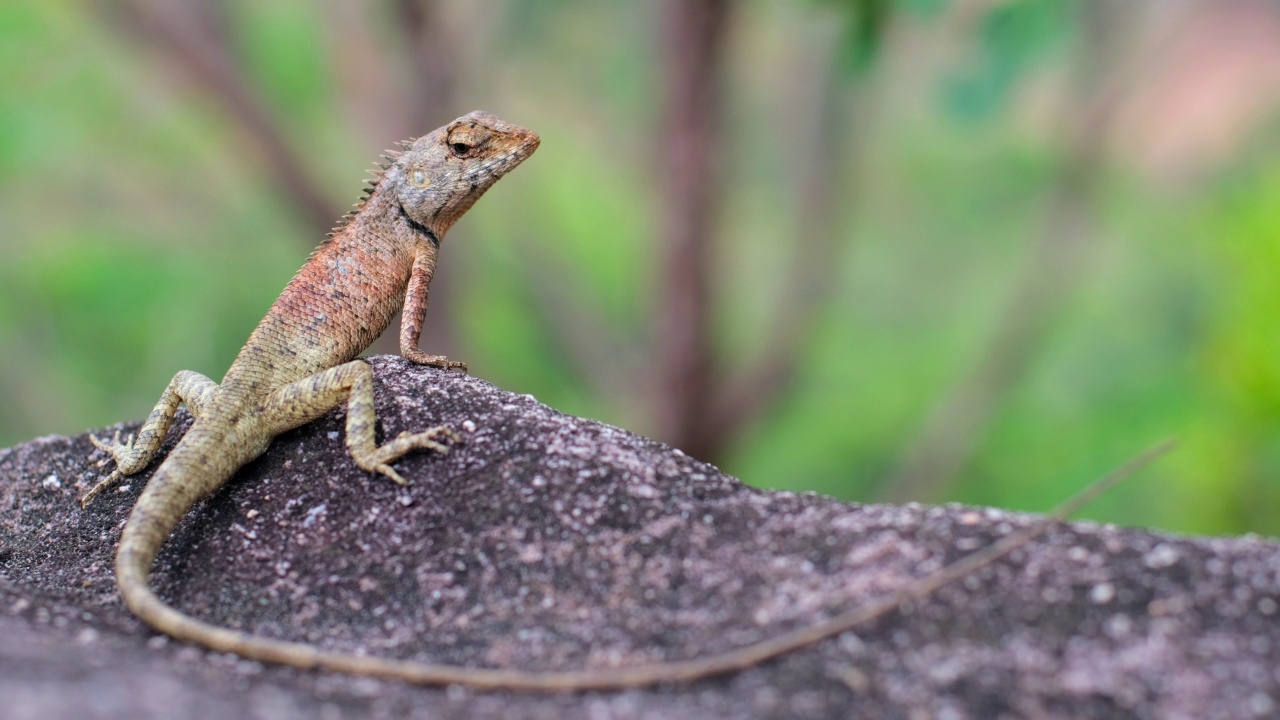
(390, 472)
(448, 433)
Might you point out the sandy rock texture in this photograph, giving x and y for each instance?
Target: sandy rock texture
(550, 541)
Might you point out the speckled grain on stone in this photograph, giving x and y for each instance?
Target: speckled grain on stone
(548, 541)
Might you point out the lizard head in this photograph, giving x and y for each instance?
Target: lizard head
(442, 174)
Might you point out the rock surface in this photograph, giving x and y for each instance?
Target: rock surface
(548, 541)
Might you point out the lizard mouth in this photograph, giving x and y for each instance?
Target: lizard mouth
(498, 165)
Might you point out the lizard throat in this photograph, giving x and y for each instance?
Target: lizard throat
(419, 227)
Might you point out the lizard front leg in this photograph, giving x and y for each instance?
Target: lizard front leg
(188, 388)
(415, 311)
(301, 402)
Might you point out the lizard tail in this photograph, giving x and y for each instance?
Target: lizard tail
(145, 533)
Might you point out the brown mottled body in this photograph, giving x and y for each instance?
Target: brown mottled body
(299, 363)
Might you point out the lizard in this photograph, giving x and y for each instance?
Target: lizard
(300, 362)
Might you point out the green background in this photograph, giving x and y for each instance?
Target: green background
(142, 234)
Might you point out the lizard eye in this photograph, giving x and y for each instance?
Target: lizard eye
(419, 178)
(459, 149)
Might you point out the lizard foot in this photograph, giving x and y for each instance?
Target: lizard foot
(111, 446)
(380, 460)
(129, 458)
(437, 361)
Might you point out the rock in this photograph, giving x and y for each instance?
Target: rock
(549, 541)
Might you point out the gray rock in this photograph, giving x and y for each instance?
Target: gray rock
(549, 541)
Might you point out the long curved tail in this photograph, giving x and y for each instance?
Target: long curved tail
(146, 531)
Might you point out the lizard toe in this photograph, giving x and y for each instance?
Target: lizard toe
(390, 472)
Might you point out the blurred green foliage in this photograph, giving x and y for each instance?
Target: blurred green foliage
(1014, 38)
(139, 238)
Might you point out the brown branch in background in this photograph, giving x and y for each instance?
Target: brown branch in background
(821, 192)
(207, 63)
(396, 69)
(955, 426)
(368, 76)
(433, 59)
(693, 38)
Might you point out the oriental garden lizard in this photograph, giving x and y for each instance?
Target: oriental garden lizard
(301, 361)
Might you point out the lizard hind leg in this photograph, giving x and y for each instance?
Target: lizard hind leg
(136, 452)
(301, 402)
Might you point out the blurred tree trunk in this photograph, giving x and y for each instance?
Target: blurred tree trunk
(701, 405)
(693, 38)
